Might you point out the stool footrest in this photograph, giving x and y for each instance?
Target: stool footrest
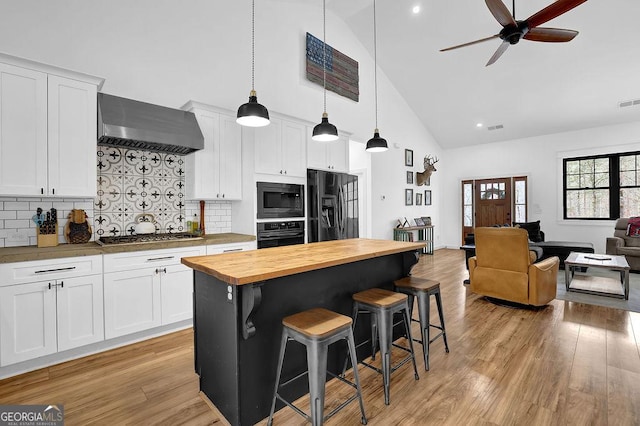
(294, 408)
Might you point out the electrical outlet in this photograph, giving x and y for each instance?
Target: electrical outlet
(19, 235)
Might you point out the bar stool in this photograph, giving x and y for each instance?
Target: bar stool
(316, 329)
(382, 305)
(423, 289)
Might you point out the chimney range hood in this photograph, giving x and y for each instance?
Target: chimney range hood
(139, 125)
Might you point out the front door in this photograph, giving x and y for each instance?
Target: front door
(493, 202)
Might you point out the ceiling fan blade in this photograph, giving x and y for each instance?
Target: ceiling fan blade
(470, 43)
(500, 12)
(553, 10)
(552, 35)
(501, 49)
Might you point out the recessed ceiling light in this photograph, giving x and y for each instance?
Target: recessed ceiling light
(416, 9)
(478, 124)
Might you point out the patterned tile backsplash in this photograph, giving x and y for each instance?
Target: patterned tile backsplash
(130, 183)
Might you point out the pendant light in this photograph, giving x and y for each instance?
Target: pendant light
(325, 131)
(252, 114)
(376, 143)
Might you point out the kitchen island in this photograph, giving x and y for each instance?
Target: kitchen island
(241, 298)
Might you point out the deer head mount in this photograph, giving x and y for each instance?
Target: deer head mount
(423, 177)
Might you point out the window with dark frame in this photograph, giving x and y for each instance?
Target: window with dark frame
(602, 186)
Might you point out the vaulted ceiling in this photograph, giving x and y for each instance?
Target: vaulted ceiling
(533, 89)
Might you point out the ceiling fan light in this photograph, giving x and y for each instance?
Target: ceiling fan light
(252, 114)
(376, 143)
(325, 131)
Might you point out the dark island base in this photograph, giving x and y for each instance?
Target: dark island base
(238, 328)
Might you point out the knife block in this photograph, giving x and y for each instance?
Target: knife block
(47, 240)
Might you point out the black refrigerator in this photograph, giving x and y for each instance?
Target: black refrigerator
(332, 206)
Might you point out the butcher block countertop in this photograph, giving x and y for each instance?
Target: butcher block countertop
(26, 253)
(258, 265)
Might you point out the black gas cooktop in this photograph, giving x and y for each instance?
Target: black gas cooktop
(147, 238)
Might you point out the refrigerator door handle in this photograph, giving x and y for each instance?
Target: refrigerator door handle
(341, 211)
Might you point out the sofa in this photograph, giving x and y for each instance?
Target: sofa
(504, 268)
(622, 244)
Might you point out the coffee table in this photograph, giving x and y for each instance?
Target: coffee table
(594, 284)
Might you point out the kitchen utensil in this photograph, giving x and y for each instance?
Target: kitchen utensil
(145, 224)
(77, 230)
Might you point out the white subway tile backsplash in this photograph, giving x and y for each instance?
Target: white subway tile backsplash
(16, 212)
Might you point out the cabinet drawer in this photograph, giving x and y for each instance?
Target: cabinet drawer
(36, 270)
(229, 248)
(144, 259)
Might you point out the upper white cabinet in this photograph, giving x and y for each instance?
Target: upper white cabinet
(215, 172)
(280, 148)
(48, 130)
(332, 156)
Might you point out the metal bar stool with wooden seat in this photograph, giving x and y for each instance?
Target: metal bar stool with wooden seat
(423, 289)
(382, 305)
(316, 329)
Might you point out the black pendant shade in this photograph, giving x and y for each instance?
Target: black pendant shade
(325, 131)
(252, 114)
(376, 143)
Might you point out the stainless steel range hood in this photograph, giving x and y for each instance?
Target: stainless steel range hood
(139, 125)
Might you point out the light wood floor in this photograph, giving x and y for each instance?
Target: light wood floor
(566, 364)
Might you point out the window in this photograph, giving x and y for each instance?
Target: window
(520, 199)
(602, 187)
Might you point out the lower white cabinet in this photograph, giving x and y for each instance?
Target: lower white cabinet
(51, 315)
(148, 289)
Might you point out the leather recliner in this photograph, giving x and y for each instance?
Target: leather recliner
(504, 268)
(622, 244)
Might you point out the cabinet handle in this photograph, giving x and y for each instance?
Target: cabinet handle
(222, 195)
(230, 250)
(159, 270)
(62, 284)
(280, 171)
(155, 259)
(53, 191)
(42, 191)
(285, 172)
(45, 271)
(49, 286)
(164, 270)
(217, 195)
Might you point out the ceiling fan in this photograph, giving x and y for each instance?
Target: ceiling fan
(512, 30)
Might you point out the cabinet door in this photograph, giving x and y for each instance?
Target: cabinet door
(72, 137)
(268, 157)
(23, 131)
(294, 153)
(131, 302)
(80, 311)
(317, 154)
(338, 155)
(28, 322)
(230, 165)
(176, 286)
(203, 165)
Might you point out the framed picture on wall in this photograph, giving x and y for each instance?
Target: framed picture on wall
(408, 157)
(418, 198)
(410, 178)
(427, 197)
(408, 197)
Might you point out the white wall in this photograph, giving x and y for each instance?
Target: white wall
(169, 52)
(540, 159)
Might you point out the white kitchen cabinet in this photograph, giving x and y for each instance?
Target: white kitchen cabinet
(280, 148)
(231, 247)
(48, 130)
(146, 289)
(332, 156)
(215, 172)
(49, 306)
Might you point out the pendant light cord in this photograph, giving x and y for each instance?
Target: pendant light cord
(375, 60)
(253, 44)
(324, 53)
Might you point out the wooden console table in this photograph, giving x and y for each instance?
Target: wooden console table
(425, 235)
